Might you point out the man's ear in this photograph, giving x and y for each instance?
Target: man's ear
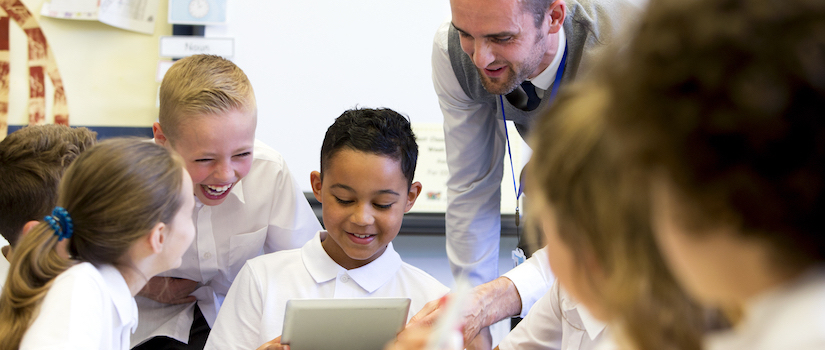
(27, 228)
(315, 181)
(160, 138)
(412, 195)
(156, 237)
(555, 16)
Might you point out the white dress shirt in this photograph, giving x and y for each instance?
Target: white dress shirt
(265, 212)
(253, 312)
(556, 322)
(475, 145)
(790, 317)
(86, 308)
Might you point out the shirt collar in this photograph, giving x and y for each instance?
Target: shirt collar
(548, 75)
(121, 296)
(592, 325)
(370, 276)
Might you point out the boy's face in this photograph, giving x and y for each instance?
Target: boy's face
(364, 199)
(217, 150)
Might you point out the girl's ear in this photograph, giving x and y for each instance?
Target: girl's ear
(156, 237)
(412, 195)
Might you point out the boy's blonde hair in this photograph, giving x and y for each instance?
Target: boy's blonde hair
(202, 84)
(602, 212)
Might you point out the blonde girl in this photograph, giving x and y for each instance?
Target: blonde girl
(595, 221)
(123, 215)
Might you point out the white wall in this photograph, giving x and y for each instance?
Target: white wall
(311, 60)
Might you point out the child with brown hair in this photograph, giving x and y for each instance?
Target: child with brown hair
(720, 104)
(247, 201)
(124, 210)
(32, 162)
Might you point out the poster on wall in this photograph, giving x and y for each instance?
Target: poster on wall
(134, 15)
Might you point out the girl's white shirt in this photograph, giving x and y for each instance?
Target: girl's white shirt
(557, 322)
(86, 308)
(789, 317)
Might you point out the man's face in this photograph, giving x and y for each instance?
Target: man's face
(503, 41)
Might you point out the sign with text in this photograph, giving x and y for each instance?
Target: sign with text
(183, 46)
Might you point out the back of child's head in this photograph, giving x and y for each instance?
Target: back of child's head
(32, 162)
(602, 215)
(113, 195)
(724, 98)
(202, 85)
(376, 131)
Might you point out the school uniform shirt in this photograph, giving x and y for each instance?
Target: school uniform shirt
(557, 322)
(790, 317)
(86, 308)
(253, 312)
(265, 212)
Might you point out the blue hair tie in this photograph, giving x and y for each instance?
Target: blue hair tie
(61, 223)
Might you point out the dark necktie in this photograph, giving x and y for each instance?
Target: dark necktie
(525, 98)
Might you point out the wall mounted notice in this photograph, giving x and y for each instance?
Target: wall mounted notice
(180, 46)
(135, 15)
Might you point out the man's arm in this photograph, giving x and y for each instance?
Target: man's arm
(475, 153)
(531, 279)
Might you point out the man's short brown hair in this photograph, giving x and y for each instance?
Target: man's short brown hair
(32, 161)
(202, 84)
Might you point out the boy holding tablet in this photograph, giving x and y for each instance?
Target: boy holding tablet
(365, 184)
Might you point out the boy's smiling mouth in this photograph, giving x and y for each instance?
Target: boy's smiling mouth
(216, 192)
(362, 238)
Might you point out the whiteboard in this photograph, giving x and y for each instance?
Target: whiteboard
(308, 61)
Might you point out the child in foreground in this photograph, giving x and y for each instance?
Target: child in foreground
(720, 104)
(124, 207)
(32, 162)
(600, 248)
(365, 185)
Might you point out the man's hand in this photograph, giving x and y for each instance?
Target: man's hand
(169, 290)
(487, 304)
(274, 344)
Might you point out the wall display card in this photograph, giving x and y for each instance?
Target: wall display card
(432, 170)
(134, 15)
(197, 12)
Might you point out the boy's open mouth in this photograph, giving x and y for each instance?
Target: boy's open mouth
(216, 192)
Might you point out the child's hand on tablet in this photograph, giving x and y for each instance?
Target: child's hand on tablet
(274, 344)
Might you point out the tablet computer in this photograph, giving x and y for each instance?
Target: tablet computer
(364, 323)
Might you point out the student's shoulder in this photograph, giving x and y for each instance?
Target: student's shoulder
(265, 153)
(415, 276)
(79, 281)
(275, 263)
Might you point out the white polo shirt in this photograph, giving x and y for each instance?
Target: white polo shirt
(253, 311)
(86, 308)
(556, 321)
(791, 316)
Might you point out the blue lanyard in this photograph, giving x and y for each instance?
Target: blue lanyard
(553, 91)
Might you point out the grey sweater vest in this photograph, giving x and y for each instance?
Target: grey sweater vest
(583, 34)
